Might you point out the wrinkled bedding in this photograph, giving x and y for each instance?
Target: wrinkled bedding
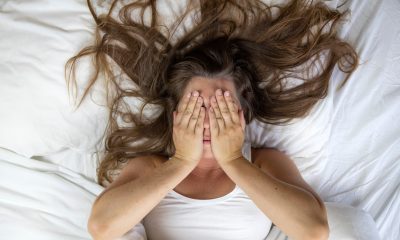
(347, 149)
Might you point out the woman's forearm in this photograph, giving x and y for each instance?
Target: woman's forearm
(294, 210)
(122, 207)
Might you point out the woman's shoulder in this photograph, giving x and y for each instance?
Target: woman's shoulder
(135, 167)
(149, 161)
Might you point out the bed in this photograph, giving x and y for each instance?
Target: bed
(347, 149)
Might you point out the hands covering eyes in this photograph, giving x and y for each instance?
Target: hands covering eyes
(227, 127)
(188, 128)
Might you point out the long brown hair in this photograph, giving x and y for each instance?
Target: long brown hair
(260, 47)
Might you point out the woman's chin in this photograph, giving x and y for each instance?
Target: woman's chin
(207, 153)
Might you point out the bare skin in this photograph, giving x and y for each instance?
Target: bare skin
(208, 166)
(208, 176)
(275, 185)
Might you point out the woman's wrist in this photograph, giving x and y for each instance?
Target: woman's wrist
(183, 162)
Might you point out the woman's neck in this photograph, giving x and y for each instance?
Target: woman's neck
(206, 168)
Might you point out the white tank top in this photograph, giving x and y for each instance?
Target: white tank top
(233, 216)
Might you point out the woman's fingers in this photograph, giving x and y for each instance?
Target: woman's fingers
(194, 120)
(213, 122)
(187, 137)
(200, 123)
(223, 108)
(181, 107)
(227, 141)
(187, 113)
(233, 109)
(219, 120)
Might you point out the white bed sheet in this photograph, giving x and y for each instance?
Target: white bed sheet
(46, 201)
(348, 149)
(43, 200)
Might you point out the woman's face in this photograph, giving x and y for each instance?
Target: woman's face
(207, 88)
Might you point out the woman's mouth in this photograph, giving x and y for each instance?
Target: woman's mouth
(206, 141)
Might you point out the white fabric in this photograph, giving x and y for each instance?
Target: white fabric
(36, 118)
(347, 149)
(42, 200)
(233, 216)
(345, 223)
(45, 201)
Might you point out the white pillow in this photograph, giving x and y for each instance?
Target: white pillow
(36, 117)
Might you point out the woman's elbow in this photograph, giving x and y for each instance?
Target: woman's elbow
(98, 230)
(319, 232)
(320, 227)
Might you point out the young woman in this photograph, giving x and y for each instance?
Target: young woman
(182, 173)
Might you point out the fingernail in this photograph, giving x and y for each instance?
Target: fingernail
(226, 93)
(196, 93)
(219, 92)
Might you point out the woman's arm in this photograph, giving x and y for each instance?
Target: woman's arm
(285, 200)
(124, 206)
(277, 188)
(133, 195)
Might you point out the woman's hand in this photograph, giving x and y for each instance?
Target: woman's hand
(227, 127)
(188, 128)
